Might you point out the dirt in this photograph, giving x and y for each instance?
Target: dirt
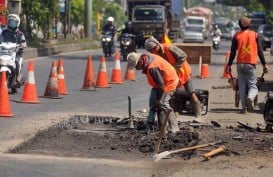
(110, 138)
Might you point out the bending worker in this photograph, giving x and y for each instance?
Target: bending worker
(161, 76)
(177, 58)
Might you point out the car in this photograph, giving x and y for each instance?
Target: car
(194, 34)
(266, 33)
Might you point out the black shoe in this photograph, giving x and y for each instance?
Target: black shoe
(13, 91)
(250, 106)
(149, 127)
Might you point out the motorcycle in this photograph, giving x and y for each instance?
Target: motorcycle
(127, 45)
(183, 104)
(8, 59)
(107, 43)
(216, 42)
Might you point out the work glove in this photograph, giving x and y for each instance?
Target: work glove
(228, 69)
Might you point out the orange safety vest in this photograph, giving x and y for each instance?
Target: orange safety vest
(184, 72)
(169, 75)
(247, 47)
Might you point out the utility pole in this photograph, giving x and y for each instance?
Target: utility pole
(88, 18)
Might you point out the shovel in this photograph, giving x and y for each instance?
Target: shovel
(164, 154)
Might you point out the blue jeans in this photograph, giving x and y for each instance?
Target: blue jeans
(247, 82)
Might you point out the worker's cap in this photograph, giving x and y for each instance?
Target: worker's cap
(151, 43)
(244, 21)
(133, 58)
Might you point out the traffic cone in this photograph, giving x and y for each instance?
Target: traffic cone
(205, 71)
(89, 83)
(51, 90)
(102, 78)
(226, 75)
(116, 72)
(166, 39)
(61, 79)
(4, 97)
(30, 93)
(130, 74)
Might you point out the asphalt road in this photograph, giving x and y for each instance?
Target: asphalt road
(30, 118)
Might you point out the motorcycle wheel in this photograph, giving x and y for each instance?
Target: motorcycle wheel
(124, 56)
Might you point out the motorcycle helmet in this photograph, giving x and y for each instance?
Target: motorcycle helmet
(13, 21)
(110, 19)
(128, 24)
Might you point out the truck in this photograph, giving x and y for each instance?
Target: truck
(201, 12)
(154, 18)
(197, 21)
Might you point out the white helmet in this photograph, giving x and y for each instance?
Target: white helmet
(13, 21)
(110, 19)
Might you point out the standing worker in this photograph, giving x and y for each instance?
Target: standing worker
(162, 77)
(247, 44)
(177, 58)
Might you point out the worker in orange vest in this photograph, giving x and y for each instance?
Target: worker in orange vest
(247, 44)
(163, 78)
(177, 58)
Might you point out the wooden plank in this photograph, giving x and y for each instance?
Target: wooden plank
(195, 50)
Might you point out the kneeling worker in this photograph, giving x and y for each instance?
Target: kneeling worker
(177, 58)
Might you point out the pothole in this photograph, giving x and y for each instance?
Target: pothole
(90, 136)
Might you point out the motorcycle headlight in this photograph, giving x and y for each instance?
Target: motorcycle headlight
(108, 39)
(124, 42)
(103, 39)
(4, 60)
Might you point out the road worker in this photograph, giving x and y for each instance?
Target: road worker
(247, 44)
(163, 78)
(177, 58)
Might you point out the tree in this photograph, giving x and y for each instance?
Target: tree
(40, 15)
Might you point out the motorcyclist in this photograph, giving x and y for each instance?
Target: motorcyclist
(109, 26)
(12, 33)
(129, 29)
(216, 31)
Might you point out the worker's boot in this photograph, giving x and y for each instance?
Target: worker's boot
(173, 124)
(150, 121)
(197, 108)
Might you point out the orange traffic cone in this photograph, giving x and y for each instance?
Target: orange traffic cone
(226, 75)
(116, 72)
(102, 78)
(30, 93)
(130, 74)
(89, 82)
(205, 71)
(61, 80)
(4, 97)
(51, 90)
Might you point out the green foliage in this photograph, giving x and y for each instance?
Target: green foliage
(77, 11)
(41, 15)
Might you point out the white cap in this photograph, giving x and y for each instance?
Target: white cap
(151, 43)
(133, 58)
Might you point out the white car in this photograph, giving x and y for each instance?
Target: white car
(193, 34)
